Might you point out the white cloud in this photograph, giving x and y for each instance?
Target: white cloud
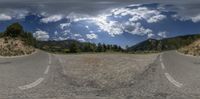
(91, 31)
(53, 18)
(150, 35)
(77, 35)
(56, 33)
(91, 36)
(87, 27)
(65, 32)
(139, 13)
(156, 18)
(64, 25)
(41, 35)
(111, 27)
(13, 14)
(4, 17)
(62, 38)
(137, 29)
(194, 19)
(162, 34)
(114, 28)
(132, 25)
(82, 40)
(18, 14)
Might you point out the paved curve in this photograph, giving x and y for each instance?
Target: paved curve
(22, 70)
(185, 70)
(171, 76)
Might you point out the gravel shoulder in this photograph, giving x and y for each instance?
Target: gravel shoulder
(103, 74)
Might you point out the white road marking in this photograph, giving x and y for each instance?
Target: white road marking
(49, 59)
(162, 65)
(47, 70)
(160, 57)
(31, 85)
(173, 81)
(61, 61)
(168, 76)
(38, 81)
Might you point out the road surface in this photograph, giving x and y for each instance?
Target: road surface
(41, 75)
(33, 76)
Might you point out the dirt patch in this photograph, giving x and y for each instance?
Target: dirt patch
(104, 71)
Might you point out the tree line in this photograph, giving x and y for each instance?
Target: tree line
(91, 47)
(73, 46)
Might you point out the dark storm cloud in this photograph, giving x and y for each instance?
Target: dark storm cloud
(62, 6)
(93, 7)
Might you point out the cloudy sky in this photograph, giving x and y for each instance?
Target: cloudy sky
(123, 22)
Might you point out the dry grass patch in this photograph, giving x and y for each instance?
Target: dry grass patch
(14, 47)
(192, 49)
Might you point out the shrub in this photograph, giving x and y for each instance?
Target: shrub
(14, 30)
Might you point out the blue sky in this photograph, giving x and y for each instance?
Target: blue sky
(124, 25)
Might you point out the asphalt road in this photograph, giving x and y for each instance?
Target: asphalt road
(182, 71)
(171, 76)
(33, 76)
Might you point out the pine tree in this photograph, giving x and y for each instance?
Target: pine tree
(14, 30)
(74, 48)
(99, 47)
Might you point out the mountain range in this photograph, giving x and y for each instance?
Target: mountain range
(154, 45)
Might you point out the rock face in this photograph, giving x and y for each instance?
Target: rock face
(192, 49)
(14, 47)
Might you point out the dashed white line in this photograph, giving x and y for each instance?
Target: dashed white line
(31, 85)
(47, 70)
(172, 80)
(160, 57)
(162, 65)
(49, 59)
(61, 61)
(38, 81)
(168, 76)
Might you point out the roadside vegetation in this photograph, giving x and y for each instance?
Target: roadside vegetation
(73, 46)
(14, 41)
(153, 45)
(192, 49)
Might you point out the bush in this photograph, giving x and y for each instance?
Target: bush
(14, 30)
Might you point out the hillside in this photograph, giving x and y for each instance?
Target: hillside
(192, 49)
(153, 45)
(15, 41)
(14, 47)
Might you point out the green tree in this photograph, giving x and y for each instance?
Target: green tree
(14, 30)
(99, 47)
(28, 38)
(74, 48)
(104, 48)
